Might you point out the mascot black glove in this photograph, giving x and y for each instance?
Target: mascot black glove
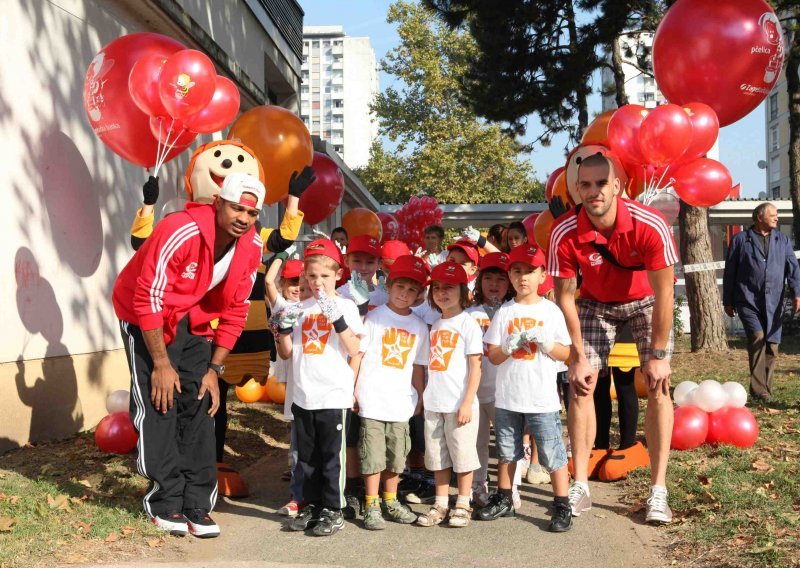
(298, 183)
(150, 191)
(557, 206)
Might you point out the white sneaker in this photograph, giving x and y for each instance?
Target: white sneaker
(579, 500)
(174, 523)
(480, 494)
(658, 511)
(516, 498)
(537, 475)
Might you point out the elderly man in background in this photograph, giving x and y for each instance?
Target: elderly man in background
(760, 260)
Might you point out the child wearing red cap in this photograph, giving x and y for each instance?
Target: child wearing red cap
(318, 338)
(451, 407)
(526, 338)
(392, 360)
(465, 253)
(391, 251)
(491, 291)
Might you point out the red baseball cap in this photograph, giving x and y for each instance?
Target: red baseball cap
(469, 248)
(292, 269)
(365, 243)
(527, 253)
(494, 260)
(325, 247)
(392, 250)
(449, 273)
(545, 286)
(409, 266)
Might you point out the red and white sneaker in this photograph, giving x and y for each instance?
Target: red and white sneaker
(173, 523)
(201, 524)
(290, 509)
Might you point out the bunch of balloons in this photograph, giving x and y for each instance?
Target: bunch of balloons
(712, 413)
(147, 97)
(270, 391)
(390, 225)
(115, 433)
(414, 216)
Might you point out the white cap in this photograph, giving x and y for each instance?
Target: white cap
(236, 184)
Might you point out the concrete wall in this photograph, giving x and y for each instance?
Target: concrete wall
(69, 203)
(360, 88)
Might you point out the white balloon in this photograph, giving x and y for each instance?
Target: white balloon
(709, 396)
(118, 401)
(683, 393)
(737, 395)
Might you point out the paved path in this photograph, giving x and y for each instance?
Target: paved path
(252, 536)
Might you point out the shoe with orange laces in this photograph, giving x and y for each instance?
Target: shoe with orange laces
(596, 459)
(620, 463)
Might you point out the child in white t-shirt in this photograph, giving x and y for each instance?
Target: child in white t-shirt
(451, 407)
(389, 388)
(491, 290)
(526, 338)
(319, 338)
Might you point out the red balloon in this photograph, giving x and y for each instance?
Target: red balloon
(716, 427)
(623, 133)
(703, 182)
(724, 53)
(115, 434)
(187, 83)
(391, 228)
(166, 130)
(529, 223)
(143, 84)
(665, 134)
(705, 129)
(324, 195)
(114, 117)
(548, 188)
(689, 429)
(220, 112)
(740, 426)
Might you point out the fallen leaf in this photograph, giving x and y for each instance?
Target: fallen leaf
(707, 496)
(14, 499)
(45, 468)
(600, 516)
(113, 537)
(704, 479)
(7, 524)
(126, 531)
(3, 497)
(59, 502)
(85, 483)
(796, 507)
(154, 543)
(762, 466)
(743, 540)
(636, 506)
(772, 411)
(761, 491)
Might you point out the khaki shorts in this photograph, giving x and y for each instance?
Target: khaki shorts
(449, 445)
(383, 446)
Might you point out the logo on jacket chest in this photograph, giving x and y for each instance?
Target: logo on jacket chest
(595, 259)
(189, 271)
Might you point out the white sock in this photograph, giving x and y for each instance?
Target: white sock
(584, 486)
(661, 487)
(462, 502)
(442, 501)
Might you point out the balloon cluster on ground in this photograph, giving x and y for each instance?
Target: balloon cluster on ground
(414, 216)
(712, 413)
(115, 433)
(270, 391)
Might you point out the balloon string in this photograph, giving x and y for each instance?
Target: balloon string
(158, 150)
(168, 146)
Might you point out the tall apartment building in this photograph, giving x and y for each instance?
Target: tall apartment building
(340, 81)
(776, 114)
(640, 87)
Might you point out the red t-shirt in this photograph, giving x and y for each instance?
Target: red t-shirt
(641, 236)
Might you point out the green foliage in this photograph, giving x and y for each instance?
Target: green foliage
(677, 321)
(442, 148)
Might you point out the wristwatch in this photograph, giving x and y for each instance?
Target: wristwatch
(218, 369)
(660, 353)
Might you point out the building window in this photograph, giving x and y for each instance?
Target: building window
(338, 103)
(776, 192)
(773, 106)
(774, 140)
(649, 96)
(774, 169)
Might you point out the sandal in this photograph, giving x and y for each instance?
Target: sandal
(460, 517)
(433, 517)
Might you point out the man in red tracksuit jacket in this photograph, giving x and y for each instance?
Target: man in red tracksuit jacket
(198, 265)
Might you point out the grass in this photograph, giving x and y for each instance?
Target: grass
(736, 507)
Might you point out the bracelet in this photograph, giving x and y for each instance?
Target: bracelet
(363, 309)
(340, 325)
(481, 242)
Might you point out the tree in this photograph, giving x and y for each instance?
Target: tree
(442, 148)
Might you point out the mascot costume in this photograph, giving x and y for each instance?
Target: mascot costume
(250, 358)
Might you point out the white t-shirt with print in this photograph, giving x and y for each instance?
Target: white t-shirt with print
(526, 381)
(393, 344)
(452, 340)
(378, 296)
(488, 370)
(321, 374)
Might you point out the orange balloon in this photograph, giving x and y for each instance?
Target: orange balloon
(281, 143)
(640, 383)
(251, 391)
(597, 131)
(360, 221)
(560, 190)
(613, 391)
(276, 390)
(541, 230)
(265, 397)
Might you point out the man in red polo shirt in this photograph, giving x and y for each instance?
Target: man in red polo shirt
(624, 252)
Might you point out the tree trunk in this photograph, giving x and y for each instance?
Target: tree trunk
(619, 73)
(702, 293)
(793, 88)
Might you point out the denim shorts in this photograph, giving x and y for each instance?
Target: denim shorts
(545, 429)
